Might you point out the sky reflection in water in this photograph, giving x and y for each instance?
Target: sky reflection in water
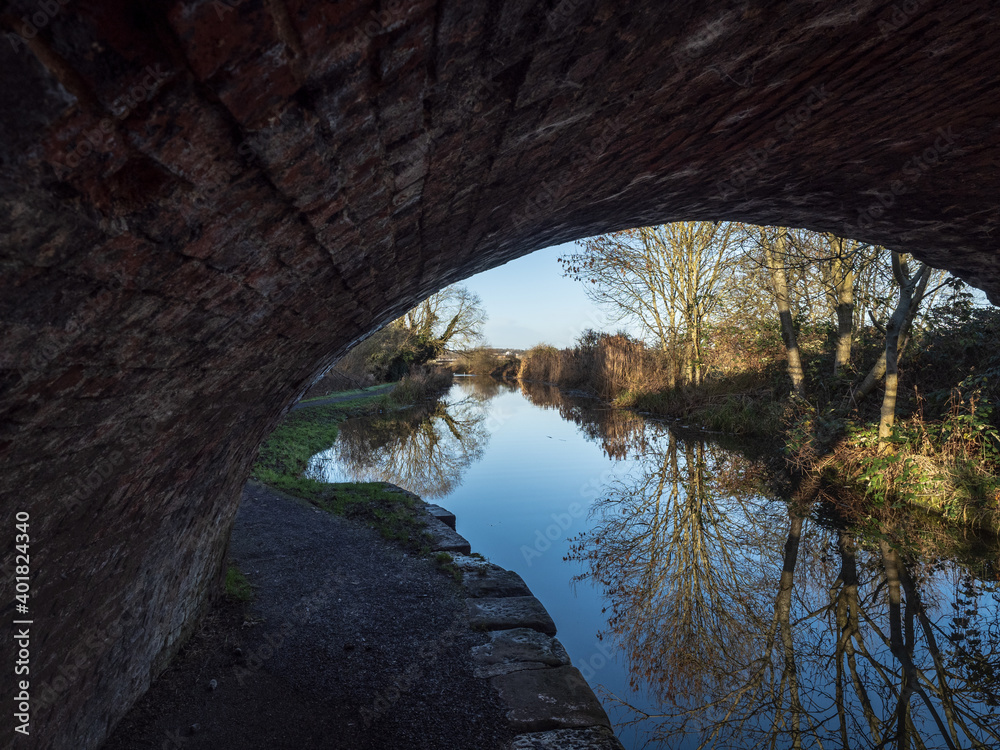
(705, 612)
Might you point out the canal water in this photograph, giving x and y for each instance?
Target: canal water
(704, 609)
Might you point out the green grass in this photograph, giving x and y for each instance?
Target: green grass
(755, 413)
(285, 454)
(955, 479)
(392, 513)
(304, 433)
(446, 563)
(238, 588)
(743, 416)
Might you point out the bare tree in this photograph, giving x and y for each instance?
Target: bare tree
(910, 286)
(668, 279)
(845, 656)
(452, 318)
(776, 257)
(683, 608)
(840, 264)
(840, 278)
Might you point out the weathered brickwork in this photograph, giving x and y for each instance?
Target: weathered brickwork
(203, 204)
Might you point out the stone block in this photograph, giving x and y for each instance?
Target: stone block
(484, 579)
(445, 539)
(444, 516)
(506, 613)
(539, 700)
(592, 738)
(513, 650)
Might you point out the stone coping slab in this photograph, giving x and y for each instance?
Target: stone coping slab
(552, 698)
(506, 613)
(444, 538)
(484, 579)
(444, 516)
(592, 738)
(513, 650)
(548, 702)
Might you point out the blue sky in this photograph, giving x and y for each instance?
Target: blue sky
(529, 302)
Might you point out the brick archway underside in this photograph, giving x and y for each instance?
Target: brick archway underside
(202, 205)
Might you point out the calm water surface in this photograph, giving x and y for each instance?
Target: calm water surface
(704, 610)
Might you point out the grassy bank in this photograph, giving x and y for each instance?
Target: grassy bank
(750, 409)
(945, 463)
(285, 455)
(237, 587)
(947, 467)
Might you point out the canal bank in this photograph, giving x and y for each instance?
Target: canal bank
(351, 642)
(663, 555)
(628, 531)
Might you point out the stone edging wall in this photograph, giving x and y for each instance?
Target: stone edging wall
(549, 703)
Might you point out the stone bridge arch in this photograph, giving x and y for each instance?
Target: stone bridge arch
(204, 202)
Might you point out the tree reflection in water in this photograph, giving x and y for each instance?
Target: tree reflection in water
(753, 625)
(483, 389)
(619, 432)
(424, 449)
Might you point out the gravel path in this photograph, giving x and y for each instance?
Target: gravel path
(353, 644)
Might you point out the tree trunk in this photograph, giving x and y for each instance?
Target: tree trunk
(670, 358)
(783, 616)
(901, 644)
(878, 369)
(689, 360)
(776, 265)
(871, 379)
(697, 353)
(892, 332)
(888, 414)
(845, 321)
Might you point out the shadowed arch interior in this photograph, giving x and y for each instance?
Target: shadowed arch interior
(204, 204)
